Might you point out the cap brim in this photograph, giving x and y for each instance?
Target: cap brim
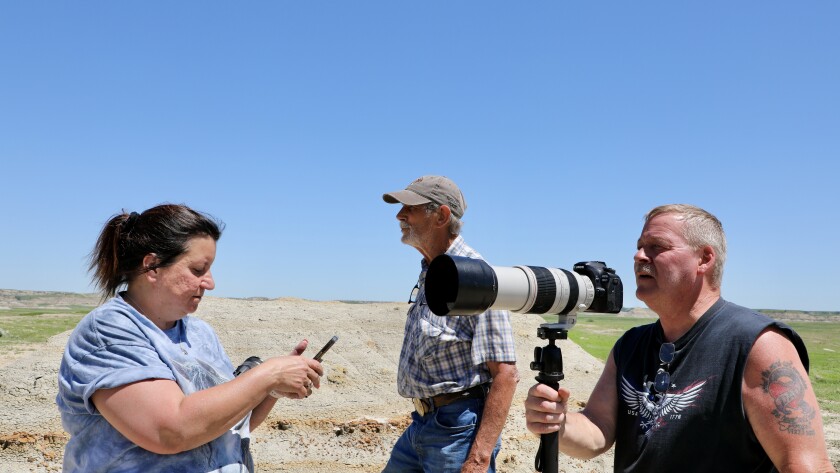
(405, 197)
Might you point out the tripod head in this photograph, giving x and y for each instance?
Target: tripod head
(548, 360)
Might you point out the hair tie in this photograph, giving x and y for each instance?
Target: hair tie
(129, 222)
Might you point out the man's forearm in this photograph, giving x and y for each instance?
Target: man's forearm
(493, 418)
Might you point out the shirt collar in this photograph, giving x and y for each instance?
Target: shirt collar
(454, 249)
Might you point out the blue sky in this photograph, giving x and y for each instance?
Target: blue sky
(563, 123)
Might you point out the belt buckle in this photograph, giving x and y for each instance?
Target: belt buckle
(420, 406)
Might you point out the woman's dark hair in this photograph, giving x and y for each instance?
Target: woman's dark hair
(127, 238)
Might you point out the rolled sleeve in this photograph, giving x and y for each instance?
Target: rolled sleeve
(493, 338)
(115, 366)
(105, 351)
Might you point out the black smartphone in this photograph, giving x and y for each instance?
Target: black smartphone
(330, 343)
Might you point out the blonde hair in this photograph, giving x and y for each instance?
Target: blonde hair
(701, 229)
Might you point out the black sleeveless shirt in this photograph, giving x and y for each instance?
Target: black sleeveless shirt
(699, 424)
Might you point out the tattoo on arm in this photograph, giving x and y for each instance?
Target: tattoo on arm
(786, 386)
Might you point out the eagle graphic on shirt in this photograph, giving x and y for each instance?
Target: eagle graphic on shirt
(653, 408)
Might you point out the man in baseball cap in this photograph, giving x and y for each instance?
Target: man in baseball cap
(460, 372)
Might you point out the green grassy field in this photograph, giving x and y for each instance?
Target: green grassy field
(23, 326)
(597, 333)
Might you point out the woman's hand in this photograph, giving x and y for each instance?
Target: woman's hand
(295, 375)
(300, 347)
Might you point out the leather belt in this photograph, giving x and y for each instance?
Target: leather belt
(425, 406)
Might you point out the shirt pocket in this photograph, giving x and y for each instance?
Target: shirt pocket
(438, 333)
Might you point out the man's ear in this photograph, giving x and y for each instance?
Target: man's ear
(444, 215)
(707, 259)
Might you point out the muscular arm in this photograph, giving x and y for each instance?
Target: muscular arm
(781, 407)
(585, 434)
(496, 407)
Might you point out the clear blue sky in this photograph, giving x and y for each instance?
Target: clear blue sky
(563, 122)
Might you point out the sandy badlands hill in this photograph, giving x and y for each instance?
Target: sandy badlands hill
(349, 425)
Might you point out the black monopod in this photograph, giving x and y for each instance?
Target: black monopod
(548, 361)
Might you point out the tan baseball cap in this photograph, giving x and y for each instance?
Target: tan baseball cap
(437, 189)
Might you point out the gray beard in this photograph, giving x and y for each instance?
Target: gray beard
(412, 238)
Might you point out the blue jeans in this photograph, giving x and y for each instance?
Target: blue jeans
(440, 441)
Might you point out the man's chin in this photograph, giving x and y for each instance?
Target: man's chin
(644, 293)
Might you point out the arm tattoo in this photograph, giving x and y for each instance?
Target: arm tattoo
(786, 386)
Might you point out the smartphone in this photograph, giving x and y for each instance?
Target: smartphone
(330, 343)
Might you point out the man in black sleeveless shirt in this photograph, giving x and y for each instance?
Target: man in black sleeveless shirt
(710, 387)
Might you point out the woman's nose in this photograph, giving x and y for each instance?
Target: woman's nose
(209, 283)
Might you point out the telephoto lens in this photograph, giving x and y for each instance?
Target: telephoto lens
(456, 285)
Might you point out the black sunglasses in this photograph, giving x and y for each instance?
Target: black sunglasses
(663, 377)
(412, 298)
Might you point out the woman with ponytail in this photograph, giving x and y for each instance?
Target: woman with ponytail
(143, 386)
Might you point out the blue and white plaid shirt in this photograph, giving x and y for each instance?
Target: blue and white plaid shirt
(448, 354)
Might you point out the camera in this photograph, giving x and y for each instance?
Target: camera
(249, 363)
(457, 285)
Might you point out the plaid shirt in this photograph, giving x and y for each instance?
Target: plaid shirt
(448, 354)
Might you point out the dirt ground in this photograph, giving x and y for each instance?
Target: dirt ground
(349, 425)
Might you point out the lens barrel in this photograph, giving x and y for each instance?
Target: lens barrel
(456, 285)
(249, 363)
(461, 286)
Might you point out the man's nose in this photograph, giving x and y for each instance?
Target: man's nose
(640, 256)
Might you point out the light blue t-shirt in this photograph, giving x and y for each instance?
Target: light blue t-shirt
(114, 345)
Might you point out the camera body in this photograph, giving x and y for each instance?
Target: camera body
(456, 285)
(609, 291)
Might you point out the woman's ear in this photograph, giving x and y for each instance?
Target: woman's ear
(150, 266)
